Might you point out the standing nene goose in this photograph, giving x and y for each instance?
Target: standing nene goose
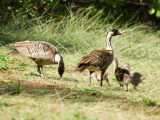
(98, 60)
(122, 75)
(136, 76)
(97, 76)
(42, 53)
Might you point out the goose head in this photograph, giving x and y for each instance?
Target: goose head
(113, 32)
(59, 60)
(126, 65)
(61, 68)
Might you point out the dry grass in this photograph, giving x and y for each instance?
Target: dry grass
(71, 97)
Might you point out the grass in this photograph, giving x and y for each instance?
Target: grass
(24, 95)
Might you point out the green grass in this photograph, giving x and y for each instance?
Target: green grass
(24, 95)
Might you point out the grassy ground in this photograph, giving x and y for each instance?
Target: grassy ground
(24, 95)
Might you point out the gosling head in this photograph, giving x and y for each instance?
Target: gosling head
(126, 65)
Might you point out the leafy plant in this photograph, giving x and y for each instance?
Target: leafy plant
(155, 8)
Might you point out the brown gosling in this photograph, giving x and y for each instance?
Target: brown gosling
(136, 76)
(42, 53)
(97, 76)
(122, 75)
(98, 60)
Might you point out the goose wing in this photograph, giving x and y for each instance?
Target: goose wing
(36, 49)
(97, 58)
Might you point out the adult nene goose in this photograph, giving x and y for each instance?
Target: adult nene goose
(136, 76)
(42, 53)
(97, 76)
(98, 60)
(122, 75)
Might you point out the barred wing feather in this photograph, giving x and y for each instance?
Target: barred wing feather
(36, 49)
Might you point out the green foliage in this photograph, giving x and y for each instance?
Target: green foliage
(3, 62)
(3, 58)
(4, 67)
(155, 8)
(114, 3)
(32, 73)
(59, 9)
(90, 91)
(148, 102)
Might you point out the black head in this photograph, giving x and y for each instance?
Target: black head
(115, 32)
(61, 68)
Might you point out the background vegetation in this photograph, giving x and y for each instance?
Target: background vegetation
(25, 95)
(139, 10)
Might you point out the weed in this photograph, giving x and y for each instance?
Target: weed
(3, 58)
(32, 73)
(148, 102)
(4, 67)
(13, 88)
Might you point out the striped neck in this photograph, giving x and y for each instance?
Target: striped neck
(108, 44)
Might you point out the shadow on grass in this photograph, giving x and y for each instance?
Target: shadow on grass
(14, 87)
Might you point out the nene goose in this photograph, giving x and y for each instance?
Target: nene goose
(98, 60)
(42, 53)
(97, 76)
(122, 75)
(136, 76)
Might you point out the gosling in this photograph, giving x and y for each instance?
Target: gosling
(97, 76)
(122, 75)
(135, 76)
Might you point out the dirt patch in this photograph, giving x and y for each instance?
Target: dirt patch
(29, 85)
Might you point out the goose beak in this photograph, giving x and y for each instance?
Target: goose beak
(118, 33)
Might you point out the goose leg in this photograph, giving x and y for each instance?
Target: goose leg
(40, 70)
(38, 67)
(89, 77)
(107, 81)
(121, 86)
(135, 86)
(102, 73)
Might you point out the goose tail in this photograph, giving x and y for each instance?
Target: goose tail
(13, 52)
(81, 68)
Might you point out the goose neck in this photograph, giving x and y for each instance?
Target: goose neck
(115, 66)
(108, 43)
